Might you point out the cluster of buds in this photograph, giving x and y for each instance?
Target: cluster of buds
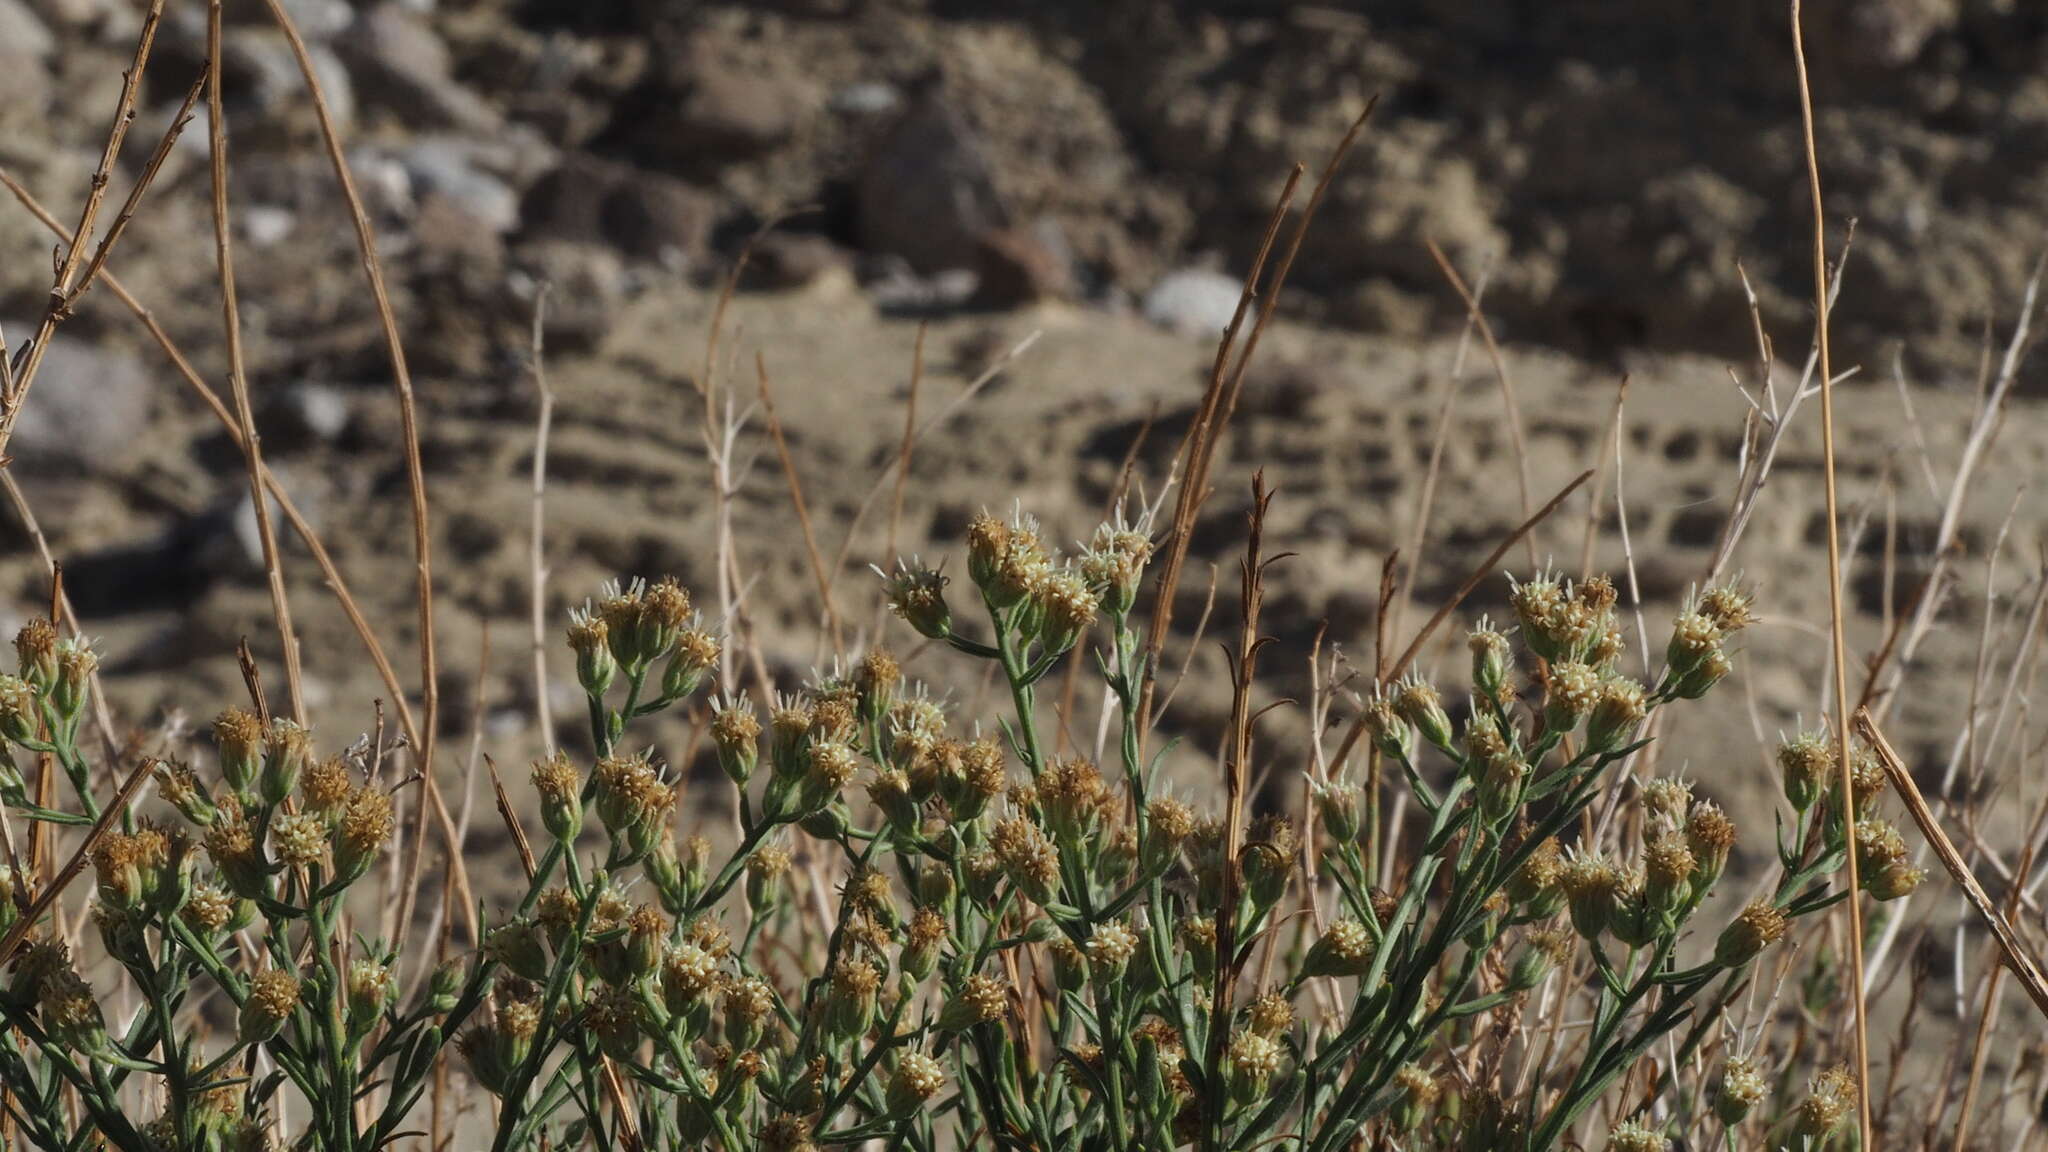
(1567, 622)
(1696, 656)
(632, 801)
(630, 628)
(1042, 599)
(58, 671)
(1882, 867)
(1685, 848)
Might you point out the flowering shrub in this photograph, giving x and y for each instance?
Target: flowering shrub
(1024, 951)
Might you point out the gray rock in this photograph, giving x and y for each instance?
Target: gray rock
(646, 215)
(715, 107)
(925, 192)
(1193, 301)
(23, 33)
(1015, 267)
(319, 20)
(87, 407)
(400, 63)
(446, 167)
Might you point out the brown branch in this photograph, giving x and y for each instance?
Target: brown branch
(24, 373)
(238, 381)
(1841, 669)
(2017, 956)
(117, 807)
(373, 270)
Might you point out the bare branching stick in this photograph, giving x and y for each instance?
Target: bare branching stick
(2017, 955)
(30, 355)
(401, 378)
(1244, 668)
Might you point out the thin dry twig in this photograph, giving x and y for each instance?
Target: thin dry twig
(30, 355)
(1846, 791)
(796, 497)
(238, 381)
(2017, 956)
(116, 809)
(537, 555)
(1500, 372)
(1243, 674)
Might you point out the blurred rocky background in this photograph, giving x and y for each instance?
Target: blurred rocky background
(1096, 171)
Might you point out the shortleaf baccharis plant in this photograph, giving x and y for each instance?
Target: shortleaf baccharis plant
(1020, 949)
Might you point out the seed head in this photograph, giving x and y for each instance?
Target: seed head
(1617, 712)
(70, 1013)
(325, 785)
(1831, 1098)
(1111, 947)
(1729, 607)
(273, 995)
(1537, 882)
(1710, 834)
(371, 988)
(1346, 949)
(1893, 881)
(366, 825)
(1068, 791)
(1490, 658)
(35, 646)
(1808, 764)
(1741, 1089)
(1028, 857)
(1592, 886)
(1419, 703)
(299, 839)
(696, 654)
(209, 910)
(1668, 869)
(1252, 1062)
(1575, 689)
(1629, 1136)
(590, 640)
(239, 736)
(1419, 1094)
(981, 999)
(1391, 734)
(287, 749)
(1067, 607)
(687, 973)
(1757, 927)
(917, 1079)
(1271, 1015)
(748, 1002)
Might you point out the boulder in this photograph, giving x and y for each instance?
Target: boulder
(401, 64)
(925, 192)
(646, 215)
(1015, 267)
(87, 407)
